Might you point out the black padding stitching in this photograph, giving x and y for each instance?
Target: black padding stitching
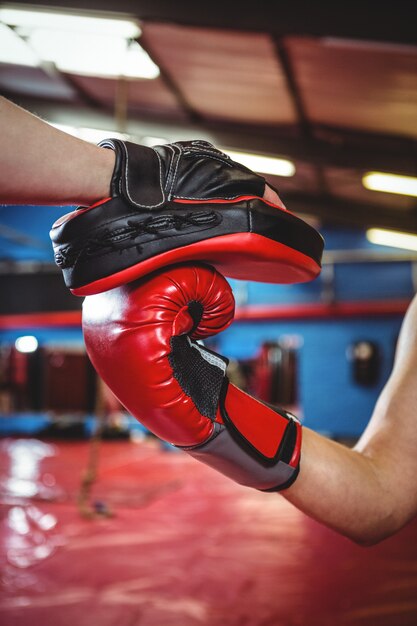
(108, 240)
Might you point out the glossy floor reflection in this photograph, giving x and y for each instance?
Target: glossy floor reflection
(185, 547)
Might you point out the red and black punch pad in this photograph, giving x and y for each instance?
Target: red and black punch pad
(181, 202)
(246, 238)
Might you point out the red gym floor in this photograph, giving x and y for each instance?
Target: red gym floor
(185, 547)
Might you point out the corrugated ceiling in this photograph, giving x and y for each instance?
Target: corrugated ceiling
(336, 106)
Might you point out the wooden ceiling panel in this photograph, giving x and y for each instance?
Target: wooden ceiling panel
(143, 96)
(223, 74)
(364, 86)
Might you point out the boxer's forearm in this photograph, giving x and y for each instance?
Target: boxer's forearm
(370, 492)
(42, 165)
(343, 489)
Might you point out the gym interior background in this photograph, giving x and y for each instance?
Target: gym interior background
(329, 95)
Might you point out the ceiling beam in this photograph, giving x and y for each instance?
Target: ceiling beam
(368, 20)
(306, 128)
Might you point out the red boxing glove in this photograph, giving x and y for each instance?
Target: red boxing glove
(141, 338)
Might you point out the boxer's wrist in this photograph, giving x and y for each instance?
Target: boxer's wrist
(97, 180)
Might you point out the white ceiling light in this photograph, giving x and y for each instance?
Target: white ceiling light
(14, 50)
(82, 44)
(137, 63)
(390, 183)
(263, 164)
(30, 19)
(92, 54)
(392, 238)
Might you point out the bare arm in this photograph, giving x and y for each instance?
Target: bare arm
(42, 165)
(370, 492)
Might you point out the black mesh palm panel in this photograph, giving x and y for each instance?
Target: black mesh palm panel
(200, 377)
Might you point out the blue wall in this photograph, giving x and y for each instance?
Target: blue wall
(35, 221)
(331, 402)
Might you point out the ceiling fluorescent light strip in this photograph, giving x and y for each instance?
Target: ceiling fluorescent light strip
(31, 18)
(93, 55)
(392, 238)
(14, 50)
(263, 164)
(390, 183)
(84, 44)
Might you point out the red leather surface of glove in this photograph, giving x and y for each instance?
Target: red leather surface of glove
(141, 338)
